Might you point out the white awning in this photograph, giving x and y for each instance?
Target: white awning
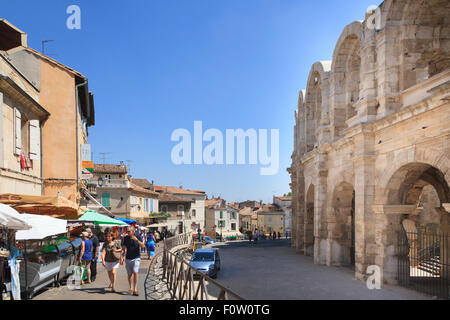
(10, 218)
(41, 227)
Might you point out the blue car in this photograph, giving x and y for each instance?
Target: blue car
(206, 261)
(207, 240)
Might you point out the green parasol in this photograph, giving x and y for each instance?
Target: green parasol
(100, 219)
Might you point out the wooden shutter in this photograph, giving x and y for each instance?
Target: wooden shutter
(35, 140)
(17, 132)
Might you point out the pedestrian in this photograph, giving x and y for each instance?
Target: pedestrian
(150, 245)
(157, 236)
(132, 255)
(111, 254)
(85, 256)
(279, 235)
(286, 234)
(274, 235)
(255, 239)
(95, 246)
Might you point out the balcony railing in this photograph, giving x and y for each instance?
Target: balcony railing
(109, 183)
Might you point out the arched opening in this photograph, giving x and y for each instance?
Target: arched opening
(425, 41)
(309, 223)
(346, 82)
(418, 192)
(343, 231)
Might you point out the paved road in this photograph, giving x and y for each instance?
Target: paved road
(98, 289)
(271, 270)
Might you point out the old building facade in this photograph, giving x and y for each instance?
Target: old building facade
(372, 139)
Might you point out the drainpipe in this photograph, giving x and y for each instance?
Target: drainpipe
(76, 127)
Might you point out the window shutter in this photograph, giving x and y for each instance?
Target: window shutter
(17, 132)
(35, 140)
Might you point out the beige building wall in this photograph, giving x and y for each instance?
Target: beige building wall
(14, 179)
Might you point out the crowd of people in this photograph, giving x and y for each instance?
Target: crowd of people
(261, 235)
(116, 252)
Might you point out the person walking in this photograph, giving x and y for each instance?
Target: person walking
(111, 254)
(274, 236)
(95, 246)
(85, 257)
(132, 255)
(150, 245)
(255, 238)
(279, 235)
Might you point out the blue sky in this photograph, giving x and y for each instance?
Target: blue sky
(158, 65)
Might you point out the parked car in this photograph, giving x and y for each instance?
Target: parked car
(206, 261)
(207, 240)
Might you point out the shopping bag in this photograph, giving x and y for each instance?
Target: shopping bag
(82, 272)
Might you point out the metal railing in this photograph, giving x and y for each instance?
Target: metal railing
(179, 275)
(423, 262)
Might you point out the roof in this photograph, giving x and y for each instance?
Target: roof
(167, 197)
(53, 61)
(284, 198)
(110, 168)
(144, 183)
(247, 211)
(136, 188)
(176, 190)
(212, 202)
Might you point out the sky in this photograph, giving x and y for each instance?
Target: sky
(155, 66)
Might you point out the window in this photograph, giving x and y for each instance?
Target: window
(26, 136)
(146, 205)
(106, 197)
(181, 210)
(270, 219)
(221, 224)
(194, 212)
(134, 203)
(164, 208)
(221, 214)
(232, 215)
(233, 226)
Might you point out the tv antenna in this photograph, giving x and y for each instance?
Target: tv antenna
(43, 47)
(129, 165)
(103, 156)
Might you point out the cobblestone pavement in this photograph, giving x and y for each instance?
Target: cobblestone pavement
(98, 290)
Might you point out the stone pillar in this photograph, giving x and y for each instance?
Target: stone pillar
(387, 227)
(367, 105)
(299, 242)
(364, 172)
(320, 210)
(445, 232)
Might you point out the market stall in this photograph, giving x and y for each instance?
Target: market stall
(44, 252)
(10, 222)
(103, 221)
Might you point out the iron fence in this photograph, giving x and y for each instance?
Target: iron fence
(423, 262)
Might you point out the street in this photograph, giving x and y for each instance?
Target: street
(98, 289)
(271, 270)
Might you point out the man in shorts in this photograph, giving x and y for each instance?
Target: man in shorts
(131, 251)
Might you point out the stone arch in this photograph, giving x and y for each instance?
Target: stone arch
(309, 222)
(342, 230)
(424, 38)
(400, 210)
(345, 77)
(428, 157)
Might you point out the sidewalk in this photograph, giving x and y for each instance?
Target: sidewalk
(98, 290)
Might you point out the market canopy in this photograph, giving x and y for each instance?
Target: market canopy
(54, 206)
(41, 227)
(101, 219)
(128, 221)
(10, 218)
